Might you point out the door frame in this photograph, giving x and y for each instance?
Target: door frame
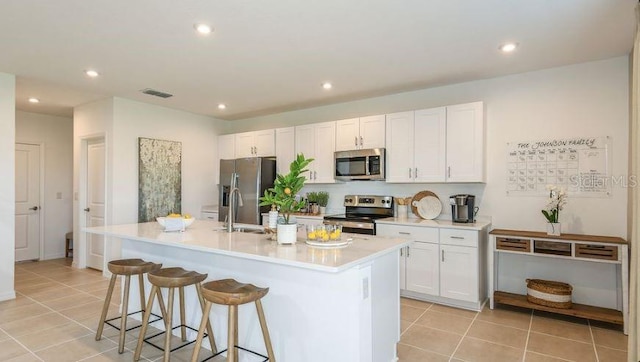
(41, 200)
(80, 237)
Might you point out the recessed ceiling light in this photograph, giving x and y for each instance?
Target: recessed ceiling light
(327, 85)
(508, 47)
(222, 106)
(203, 28)
(91, 73)
(34, 100)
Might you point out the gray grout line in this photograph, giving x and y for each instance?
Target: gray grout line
(526, 343)
(21, 345)
(463, 336)
(593, 341)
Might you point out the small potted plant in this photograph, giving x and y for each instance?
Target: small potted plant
(557, 200)
(323, 200)
(312, 198)
(283, 196)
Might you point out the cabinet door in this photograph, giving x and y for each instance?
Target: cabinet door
(206, 215)
(347, 134)
(372, 132)
(227, 147)
(429, 145)
(285, 149)
(459, 272)
(325, 145)
(465, 143)
(264, 143)
(422, 268)
(399, 147)
(305, 144)
(244, 144)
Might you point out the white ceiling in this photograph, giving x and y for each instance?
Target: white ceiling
(268, 56)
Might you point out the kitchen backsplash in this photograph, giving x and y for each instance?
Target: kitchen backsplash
(339, 190)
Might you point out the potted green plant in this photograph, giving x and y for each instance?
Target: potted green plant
(323, 200)
(556, 202)
(283, 195)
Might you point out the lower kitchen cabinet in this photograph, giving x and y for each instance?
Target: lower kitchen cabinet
(442, 265)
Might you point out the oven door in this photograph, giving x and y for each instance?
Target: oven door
(354, 227)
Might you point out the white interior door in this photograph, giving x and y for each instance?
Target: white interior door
(95, 209)
(27, 202)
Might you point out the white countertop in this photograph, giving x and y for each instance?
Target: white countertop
(207, 236)
(437, 223)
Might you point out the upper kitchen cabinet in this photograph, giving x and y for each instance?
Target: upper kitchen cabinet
(317, 141)
(255, 144)
(227, 147)
(360, 133)
(465, 142)
(285, 149)
(444, 144)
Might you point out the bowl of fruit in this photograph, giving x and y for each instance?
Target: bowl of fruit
(187, 219)
(324, 233)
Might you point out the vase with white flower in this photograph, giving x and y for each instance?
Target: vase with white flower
(556, 202)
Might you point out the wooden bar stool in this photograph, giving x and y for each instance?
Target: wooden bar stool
(126, 267)
(230, 292)
(172, 278)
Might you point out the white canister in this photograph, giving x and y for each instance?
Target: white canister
(273, 219)
(403, 212)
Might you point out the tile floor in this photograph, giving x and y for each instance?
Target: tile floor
(55, 315)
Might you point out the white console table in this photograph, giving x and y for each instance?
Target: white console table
(569, 248)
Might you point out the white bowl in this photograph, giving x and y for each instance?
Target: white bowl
(187, 222)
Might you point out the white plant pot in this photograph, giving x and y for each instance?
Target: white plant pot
(553, 228)
(287, 233)
(323, 210)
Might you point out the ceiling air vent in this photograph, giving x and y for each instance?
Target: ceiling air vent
(156, 93)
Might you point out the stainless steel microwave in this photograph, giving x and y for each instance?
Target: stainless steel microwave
(360, 164)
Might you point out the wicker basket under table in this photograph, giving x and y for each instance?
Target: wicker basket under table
(549, 293)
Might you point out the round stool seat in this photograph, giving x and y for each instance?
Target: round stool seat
(230, 292)
(131, 266)
(175, 277)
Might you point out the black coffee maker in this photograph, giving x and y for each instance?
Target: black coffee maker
(463, 209)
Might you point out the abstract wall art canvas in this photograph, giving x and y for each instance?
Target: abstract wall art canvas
(159, 178)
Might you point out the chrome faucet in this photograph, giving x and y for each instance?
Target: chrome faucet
(233, 205)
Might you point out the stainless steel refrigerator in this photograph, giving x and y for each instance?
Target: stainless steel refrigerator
(255, 175)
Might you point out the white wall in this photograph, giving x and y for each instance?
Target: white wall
(7, 184)
(55, 135)
(589, 99)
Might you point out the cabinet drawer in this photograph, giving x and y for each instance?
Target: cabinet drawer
(551, 247)
(514, 244)
(459, 237)
(209, 215)
(596, 251)
(408, 232)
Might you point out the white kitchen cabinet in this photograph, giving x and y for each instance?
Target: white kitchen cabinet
(444, 144)
(209, 215)
(227, 147)
(317, 141)
(255, 144)
(459, 272)
(285, 149)
(465, 142)
(441, 265)
(360, 133)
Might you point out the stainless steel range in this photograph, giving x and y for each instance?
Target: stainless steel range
(361, 212)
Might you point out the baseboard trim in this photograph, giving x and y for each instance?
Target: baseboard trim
(8, 295)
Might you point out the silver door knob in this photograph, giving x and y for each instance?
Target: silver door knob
(87, 209)
(35, 208)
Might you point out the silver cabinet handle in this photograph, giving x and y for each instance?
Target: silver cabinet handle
(401, 251)
(403, 233)
(355, 142)
(255, 150)
(360, 140)
(442, 255)
(87, 209)
(408, 248)
(449, 171)
(409, 172)
(457, 237)
(315, 175)
(35, 208)
(416, 172)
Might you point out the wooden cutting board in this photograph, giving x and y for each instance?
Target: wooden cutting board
(419, 196)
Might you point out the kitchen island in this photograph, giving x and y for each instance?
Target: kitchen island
(324, 304)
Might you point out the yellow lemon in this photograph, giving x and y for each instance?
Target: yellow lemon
(287, 191)
(174, 215)
(325, 237)
(312, 236)
(187, 216)
(333, 236)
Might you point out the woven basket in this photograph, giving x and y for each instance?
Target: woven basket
(549, 293)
